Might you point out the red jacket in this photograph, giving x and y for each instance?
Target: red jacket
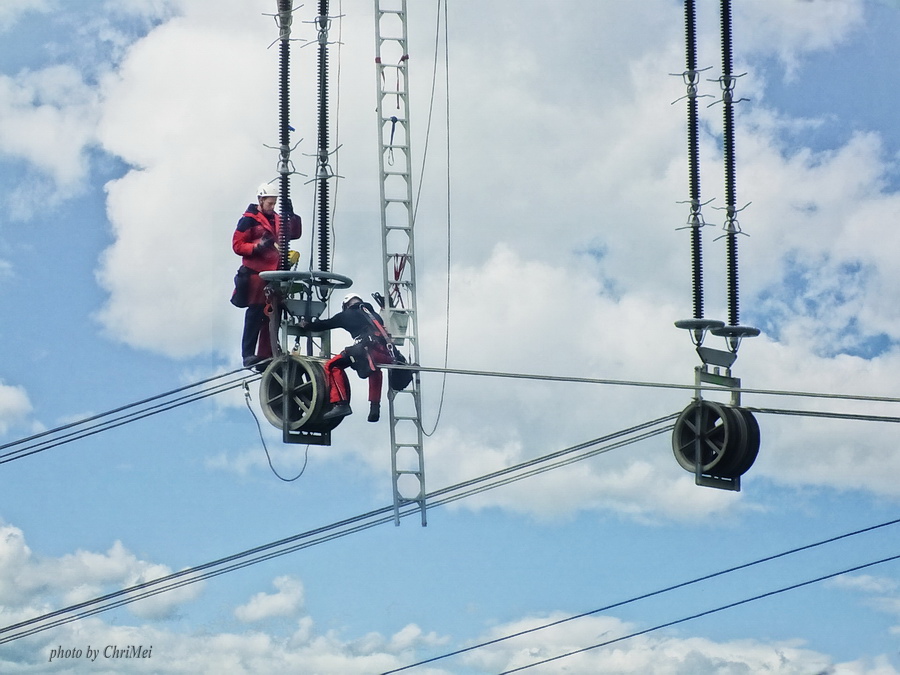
(254, 240)
(255, 237)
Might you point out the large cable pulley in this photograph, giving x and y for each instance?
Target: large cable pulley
(715, 439)
(293, 395)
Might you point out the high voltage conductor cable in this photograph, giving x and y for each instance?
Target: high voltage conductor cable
(652, 385)
(708, 612)
(54, 437)
(296, 542)
(555, 455)
(651, 594)
(826, 415)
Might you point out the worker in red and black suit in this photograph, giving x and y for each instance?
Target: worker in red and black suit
(256, 241)
(368, 352)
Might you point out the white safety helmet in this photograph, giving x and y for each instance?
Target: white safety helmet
(348, 298)
(267, 190)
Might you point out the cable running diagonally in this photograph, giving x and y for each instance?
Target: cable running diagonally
(77, 430)
(318, 535)
(107, 420)
(708, 612)
(651, 594)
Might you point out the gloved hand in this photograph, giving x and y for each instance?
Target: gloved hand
(293, 257)
(263, 243)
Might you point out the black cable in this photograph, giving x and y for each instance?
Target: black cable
(119, 409)
(116, 421)
(190, 398)
(651, 594)
(826, 415)
(289, 544)
(708, 612)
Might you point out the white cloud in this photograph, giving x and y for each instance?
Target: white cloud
(198, 158)
(29, 583)
(642, 654)
(49, 121)
(566, 237)
(865, 583)
(11, 10)
(286, 602)
(15, 406)
(794, 29)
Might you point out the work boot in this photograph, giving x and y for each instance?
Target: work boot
(339, 410)
(374, 411)
(251, 360)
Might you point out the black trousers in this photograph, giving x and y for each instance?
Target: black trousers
(254, 319)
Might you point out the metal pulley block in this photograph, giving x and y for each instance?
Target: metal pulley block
(293, 397)
(715, 440)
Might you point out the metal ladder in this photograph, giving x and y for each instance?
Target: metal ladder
(398, 248)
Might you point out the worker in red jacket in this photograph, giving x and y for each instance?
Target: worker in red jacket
(256, 241)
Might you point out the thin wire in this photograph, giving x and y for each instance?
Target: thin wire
(266, 447)
(708, 612)
(293, 543)
(449, 218)
(651, 594)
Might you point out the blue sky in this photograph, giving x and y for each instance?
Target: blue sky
(133, 136)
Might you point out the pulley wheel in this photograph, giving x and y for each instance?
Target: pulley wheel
(741, 462)
(292, 392)
(711, 428)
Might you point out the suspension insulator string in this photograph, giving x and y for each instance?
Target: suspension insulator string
(696, 220)
(732, 227)
(323, 172)
(284, 165)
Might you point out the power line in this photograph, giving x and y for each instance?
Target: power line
(651, 594)
(328, 532)
(826, 415)
(105, 421)
(708, 612)
(652, 385)
(140, 410)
